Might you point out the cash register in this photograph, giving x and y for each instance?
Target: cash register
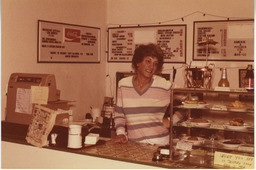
(19, 107)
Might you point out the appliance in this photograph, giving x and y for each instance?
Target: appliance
(19, 107)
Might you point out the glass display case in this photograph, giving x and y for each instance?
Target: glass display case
(215, 122)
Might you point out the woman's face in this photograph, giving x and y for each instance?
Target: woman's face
(147, 67)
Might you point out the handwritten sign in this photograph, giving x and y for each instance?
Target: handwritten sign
(233, 160)
(170, 38)
(39, 94)
(217, 126)
(60, 42)
(183, 145)
(230, 40)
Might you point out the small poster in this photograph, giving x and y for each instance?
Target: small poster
(122, 42)
(39, 94)
(23, 101)
(231, 40)
(60, 42)
(42, 122)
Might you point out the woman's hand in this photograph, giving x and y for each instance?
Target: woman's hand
(166, 122)
(121, 139)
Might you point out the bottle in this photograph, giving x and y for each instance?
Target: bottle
(249, 78)
(224, 80)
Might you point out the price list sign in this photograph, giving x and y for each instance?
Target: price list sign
(59, 42)
(122, 42)
(231, 40)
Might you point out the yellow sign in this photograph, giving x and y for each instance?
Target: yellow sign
(39, 94)
(233, 160)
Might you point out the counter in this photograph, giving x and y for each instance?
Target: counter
(106, 154)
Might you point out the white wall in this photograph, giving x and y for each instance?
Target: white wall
(134, 12)
(87, 83)
(83, 82)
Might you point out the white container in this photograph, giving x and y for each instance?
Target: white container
(74, 136)
(74, 141)
(75, 129)
(91, 139)
(96, 112)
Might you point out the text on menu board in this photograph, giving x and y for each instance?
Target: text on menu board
(67, 43)
(171, 39)
(224, 40)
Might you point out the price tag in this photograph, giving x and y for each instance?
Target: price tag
(183, 145)
(217, 126)
(233, 160)
(190, 124)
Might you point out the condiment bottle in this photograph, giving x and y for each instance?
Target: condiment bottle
(249, 78)
(224, 80)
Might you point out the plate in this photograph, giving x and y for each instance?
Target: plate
(229, 146)
(237, 109)
(237, 128)
(199, 124)
(188, 105)
(195, 142)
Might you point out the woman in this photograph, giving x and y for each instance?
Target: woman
(142, 100)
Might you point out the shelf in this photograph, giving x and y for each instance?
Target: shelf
(200, 90)
(220, 128)
(218, 112)
(251, 111)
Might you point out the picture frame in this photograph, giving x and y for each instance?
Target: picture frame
(223, 40)
(242, 74)
(122, 41)
(67, 43)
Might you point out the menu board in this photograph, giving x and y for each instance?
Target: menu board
(59, 42)
(231, 40)
(122, 42)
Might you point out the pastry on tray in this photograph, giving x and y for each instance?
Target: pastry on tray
(236, 122)
(192, 138)
(238, 104)
(194, 102)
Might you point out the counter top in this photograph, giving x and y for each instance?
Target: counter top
(132, 152)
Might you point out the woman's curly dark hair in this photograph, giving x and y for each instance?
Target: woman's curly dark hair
(152, 50)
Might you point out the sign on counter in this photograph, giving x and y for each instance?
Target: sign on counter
(233, 160)
(59, 42)
(122, 42)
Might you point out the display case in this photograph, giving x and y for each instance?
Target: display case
(216, 123)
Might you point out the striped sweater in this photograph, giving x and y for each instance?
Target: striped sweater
(142, 113)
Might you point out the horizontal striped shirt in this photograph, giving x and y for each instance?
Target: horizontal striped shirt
(141, 113)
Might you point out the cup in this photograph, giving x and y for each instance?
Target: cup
(96, 112)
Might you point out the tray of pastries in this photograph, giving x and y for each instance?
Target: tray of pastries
(197, 141)
(199, 122)
(194, 104)
(237, 124)
(237, 106)
(230, 143)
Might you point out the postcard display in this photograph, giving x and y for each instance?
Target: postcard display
(227, 40)
(122, 42)
(43, 120)
(58, 42)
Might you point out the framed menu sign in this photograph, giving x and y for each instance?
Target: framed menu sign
(229, 40)
(122, 42)
(59, 42)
